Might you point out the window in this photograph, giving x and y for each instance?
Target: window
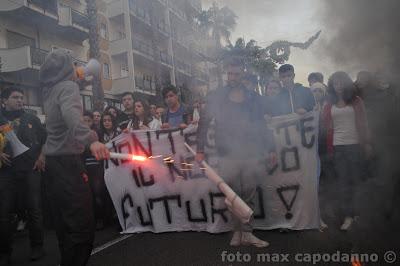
(147, 82)
(87, 102)
(16, 40)
(124, 71)
(103, 30)
(119, 35)
(106, 71)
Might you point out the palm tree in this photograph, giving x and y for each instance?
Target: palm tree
(253, 57)
(94, 52)
(263, 61)
(218, 22)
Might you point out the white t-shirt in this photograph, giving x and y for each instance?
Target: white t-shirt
(155, 124)
(196, 115)
(344, 126)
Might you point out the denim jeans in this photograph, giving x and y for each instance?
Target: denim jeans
(348, 167)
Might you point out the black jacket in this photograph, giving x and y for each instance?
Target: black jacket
(31, 133)
(240, 128)
(281, 103)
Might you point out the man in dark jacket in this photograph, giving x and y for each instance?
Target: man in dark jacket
(128, 114)
(67, 137)
(20, 176)
(242, 140)
(292, 98)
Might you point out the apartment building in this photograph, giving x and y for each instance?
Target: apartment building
(144, 44)
(157, 42)
(29, 30)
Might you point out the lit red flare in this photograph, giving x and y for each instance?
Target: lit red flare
(138, 158)
(125, 156)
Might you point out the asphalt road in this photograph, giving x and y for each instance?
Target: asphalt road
(374, 233)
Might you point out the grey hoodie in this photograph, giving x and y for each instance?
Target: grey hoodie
(66, 132)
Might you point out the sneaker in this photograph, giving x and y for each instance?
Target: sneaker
(346, 224)
(37, 253)
(322, 225)
(21, 226)
(249, 239)
(236, 239)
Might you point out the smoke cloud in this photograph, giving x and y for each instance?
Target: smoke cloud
(362, 34)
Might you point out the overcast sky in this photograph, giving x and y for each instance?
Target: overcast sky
(292, 20)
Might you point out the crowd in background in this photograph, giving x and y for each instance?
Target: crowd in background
(357, 129)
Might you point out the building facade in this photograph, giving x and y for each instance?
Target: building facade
(157, 42)
(144, 44)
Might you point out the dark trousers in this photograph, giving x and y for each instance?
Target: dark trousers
(27, 186)
(71, 202)
(98, 187)
(348, 167)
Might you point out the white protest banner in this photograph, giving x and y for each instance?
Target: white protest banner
(169, 191)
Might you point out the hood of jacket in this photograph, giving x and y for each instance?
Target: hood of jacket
(57, 67)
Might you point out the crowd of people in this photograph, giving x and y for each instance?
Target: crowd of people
(138, 114)
(355, 118)
(357, 133)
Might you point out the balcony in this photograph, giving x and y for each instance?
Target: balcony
(164, 2)
(183, 67)
(37, 57)
(30, 9)
(200, 75)
(163, 28)
(179, 39)
(178, 12)
(79, 19)
(145, 85)
(119, 46)
(76, 24)
(121, 85)
(143, 48)
(196, 5)
(41, 6)
(25, 57)
(140, 13)
(114, 9)
(165, 58)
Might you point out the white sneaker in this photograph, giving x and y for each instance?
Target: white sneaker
(21, 226)
(250, 239)
(346, 224)
(236, 239)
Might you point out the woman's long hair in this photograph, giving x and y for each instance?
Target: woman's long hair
(147, 116)
(103, 131)
(349, 92)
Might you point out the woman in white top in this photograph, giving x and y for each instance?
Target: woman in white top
(347, 139)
